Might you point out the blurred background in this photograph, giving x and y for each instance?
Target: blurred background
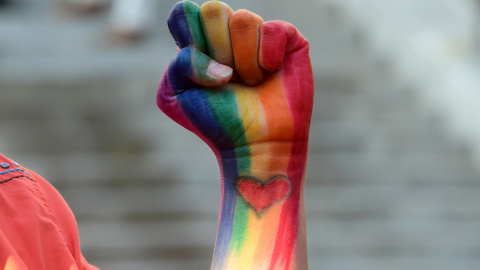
(393, 179)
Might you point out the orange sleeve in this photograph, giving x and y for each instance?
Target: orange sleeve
(37, 228)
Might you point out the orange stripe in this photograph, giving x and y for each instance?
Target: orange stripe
(244, 33)
(279, 121)
(267, 239)
(277, 110)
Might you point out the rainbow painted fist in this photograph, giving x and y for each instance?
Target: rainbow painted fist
(246, 88)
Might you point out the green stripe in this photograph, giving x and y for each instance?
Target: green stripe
(199, 62)
(192, 13)
(224, 106)
(211, 50)
(239, 226)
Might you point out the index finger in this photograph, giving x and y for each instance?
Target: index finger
(184, 25)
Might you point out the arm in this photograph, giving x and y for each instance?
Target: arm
(253, 110)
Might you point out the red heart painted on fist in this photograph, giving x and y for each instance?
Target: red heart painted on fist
(259, 194)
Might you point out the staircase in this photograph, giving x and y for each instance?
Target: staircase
(387, 186)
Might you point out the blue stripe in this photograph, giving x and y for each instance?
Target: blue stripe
(178, 26)
(225, 228)
(12, 170)
(180, 69)
(197, 108)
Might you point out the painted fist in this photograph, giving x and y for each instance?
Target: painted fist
(236, 80)
(246, 88)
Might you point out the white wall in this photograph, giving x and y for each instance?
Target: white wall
(431, 45)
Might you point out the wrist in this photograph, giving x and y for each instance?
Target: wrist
(265, 159)
(262, 219)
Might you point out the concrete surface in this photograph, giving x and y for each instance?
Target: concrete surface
(387, 187)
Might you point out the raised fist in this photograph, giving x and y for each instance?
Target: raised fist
(245, 87)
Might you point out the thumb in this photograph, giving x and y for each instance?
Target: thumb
(192, 67)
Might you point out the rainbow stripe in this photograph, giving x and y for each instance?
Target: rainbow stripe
(259, 135)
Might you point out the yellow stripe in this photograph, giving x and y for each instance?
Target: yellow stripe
(267, 239)
(251, 113)
(215, 16)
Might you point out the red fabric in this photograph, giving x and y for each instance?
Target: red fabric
(37, 228)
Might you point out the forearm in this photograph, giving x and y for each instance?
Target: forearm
(262, 218)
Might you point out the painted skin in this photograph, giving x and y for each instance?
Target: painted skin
(255, 116)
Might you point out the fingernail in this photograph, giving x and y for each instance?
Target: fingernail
(218, 70)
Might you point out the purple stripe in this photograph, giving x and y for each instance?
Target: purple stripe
(178, 26)
(229, 200)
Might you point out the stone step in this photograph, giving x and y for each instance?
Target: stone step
(104, 169)
(325, 261)
(78, 100)
(82, 45)
(440, 237)
(410, 260)
(190, 201)
(107, 169)
(110, 135)
(380, 136)
(163, 263)
(337, 100)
